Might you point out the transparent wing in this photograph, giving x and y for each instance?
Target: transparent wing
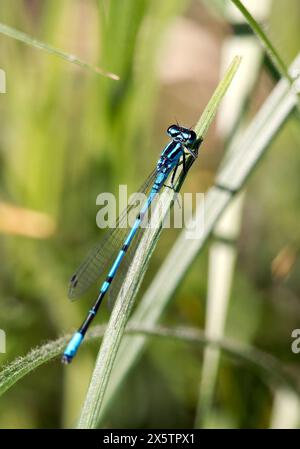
(100, 258)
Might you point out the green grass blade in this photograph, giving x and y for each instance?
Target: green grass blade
(267, 44)
(22, 37)
(21, 366)
(92, 407)
(212, 106)
(247, 152)
(120, 314)
(269, 365)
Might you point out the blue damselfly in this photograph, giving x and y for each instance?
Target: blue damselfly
(116, 249)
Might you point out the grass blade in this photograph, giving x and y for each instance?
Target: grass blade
(269, 365)
(22, 37)
(222, 257)
(21, 366)
(212, 107)
(120, 314)
(267, 44)
(92, 407)
(233, 175)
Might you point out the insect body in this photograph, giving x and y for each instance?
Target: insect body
(112, 248)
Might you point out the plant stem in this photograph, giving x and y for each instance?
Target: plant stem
(22, 37)
(92, 406)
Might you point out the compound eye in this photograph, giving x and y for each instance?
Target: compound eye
(185, 136)
(173, 131)
(192, 137)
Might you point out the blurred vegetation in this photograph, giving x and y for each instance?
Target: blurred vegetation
(68, 134)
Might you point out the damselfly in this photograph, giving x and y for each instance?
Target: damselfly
(117, 248)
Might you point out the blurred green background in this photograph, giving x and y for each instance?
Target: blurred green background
(68, 134)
